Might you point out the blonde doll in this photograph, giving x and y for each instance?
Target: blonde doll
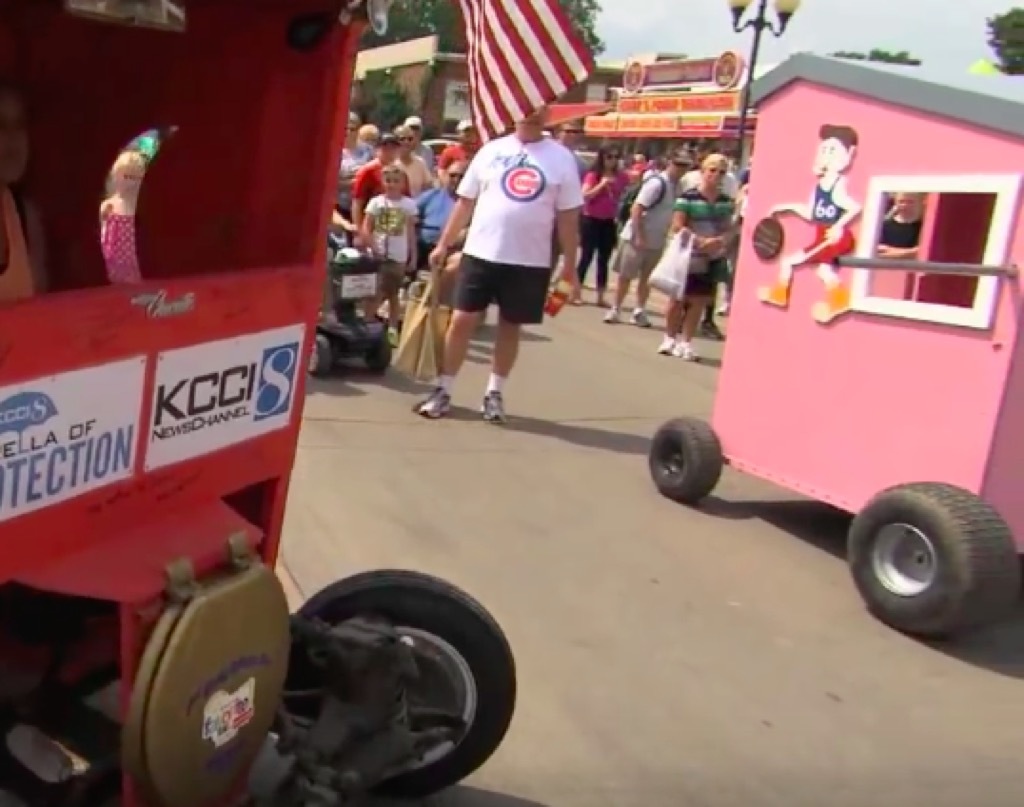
(117, 218)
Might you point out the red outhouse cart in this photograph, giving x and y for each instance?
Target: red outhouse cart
(874, 358)
(148, 431)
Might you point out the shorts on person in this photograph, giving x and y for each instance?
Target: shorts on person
(704, 283)
(519, 291)
(632, 263)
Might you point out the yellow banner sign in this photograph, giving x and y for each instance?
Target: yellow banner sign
(648, 123)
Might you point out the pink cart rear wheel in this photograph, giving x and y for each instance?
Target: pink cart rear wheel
(933, 560)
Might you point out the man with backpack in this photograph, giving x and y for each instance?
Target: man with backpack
(643, 235)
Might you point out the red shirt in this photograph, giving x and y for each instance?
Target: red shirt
(369, 182)
(455, 153)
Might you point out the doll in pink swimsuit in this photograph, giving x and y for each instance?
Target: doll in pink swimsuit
(117, 219)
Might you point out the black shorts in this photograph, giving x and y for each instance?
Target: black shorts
(519, 291)
(702, 285)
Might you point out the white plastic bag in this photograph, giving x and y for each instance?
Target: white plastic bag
(669, 274)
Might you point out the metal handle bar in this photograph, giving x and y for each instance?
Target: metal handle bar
(929, 267)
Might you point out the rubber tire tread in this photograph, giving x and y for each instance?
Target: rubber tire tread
(323, 353)
(703, 460)
(378, 358)
(980, 571)
(417, 600)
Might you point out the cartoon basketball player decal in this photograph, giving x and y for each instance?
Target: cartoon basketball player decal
(831, 210)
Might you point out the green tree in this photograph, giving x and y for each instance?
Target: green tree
(410, 19)
(382, 100)
(1006, 38)
(878, 55)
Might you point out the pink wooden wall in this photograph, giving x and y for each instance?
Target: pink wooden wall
(839, 412)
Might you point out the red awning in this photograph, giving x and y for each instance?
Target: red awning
(563, 113)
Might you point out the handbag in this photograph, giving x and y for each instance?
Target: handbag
(670, 273)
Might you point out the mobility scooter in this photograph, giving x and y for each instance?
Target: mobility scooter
(147, 652)
(342, 332)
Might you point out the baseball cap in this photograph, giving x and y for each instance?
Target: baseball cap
(389, 139)
(414, 122)
(465, 126)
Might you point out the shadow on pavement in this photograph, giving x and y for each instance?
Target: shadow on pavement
(462, 796)
(998, 648)
(583, 436)
(815, 523)
(338, 386)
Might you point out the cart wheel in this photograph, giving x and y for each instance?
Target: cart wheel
(321, 357)
(932, 560)
(378, 358)
(466, 665)
(686, 460)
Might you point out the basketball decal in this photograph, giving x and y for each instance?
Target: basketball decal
(768, 238)
(523, 183)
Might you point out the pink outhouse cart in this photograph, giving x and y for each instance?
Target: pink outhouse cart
(875, 358)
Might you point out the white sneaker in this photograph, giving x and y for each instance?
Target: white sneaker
(668, 344)
(640, 319)
(685, 351)
(612, 317)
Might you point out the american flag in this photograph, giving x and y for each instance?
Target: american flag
(522, 55)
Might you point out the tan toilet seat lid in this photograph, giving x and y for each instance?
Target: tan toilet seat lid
(207, 689)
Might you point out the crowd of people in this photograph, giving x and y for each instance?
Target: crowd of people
(471, 213)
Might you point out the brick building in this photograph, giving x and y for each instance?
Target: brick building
(436, 84)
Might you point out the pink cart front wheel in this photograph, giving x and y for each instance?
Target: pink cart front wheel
(685, 460)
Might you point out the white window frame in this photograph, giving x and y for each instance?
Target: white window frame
(1006, 187)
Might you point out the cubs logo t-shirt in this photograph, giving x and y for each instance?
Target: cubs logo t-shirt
(518, 188)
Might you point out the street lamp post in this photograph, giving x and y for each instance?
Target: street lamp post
(760, 22)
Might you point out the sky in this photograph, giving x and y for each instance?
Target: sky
(935, 31)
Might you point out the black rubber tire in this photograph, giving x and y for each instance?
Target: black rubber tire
(378, 358)
(685, 460)
(321, 362)
(420, 601)
(979, 571)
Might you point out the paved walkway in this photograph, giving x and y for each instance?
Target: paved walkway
(667, 657)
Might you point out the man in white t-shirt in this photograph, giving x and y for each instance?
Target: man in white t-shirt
(519, 192)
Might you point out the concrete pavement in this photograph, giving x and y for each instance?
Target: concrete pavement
(667, 657)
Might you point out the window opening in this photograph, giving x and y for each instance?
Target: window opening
(118, 213)
(163, 15)
(957, 219)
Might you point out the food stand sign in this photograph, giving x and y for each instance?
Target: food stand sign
(648, 124)
(601, 124)
(722, 103)
(634, 77)
(724, 72)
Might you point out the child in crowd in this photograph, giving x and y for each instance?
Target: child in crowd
(389, 229)
(117, 218)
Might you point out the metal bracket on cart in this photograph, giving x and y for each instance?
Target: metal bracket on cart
(363, 730)
(929, 267)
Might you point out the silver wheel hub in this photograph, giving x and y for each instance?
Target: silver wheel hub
(446, 681)
(904, 560)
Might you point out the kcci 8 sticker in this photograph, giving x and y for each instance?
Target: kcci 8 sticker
(216, 394)
(65, 435)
